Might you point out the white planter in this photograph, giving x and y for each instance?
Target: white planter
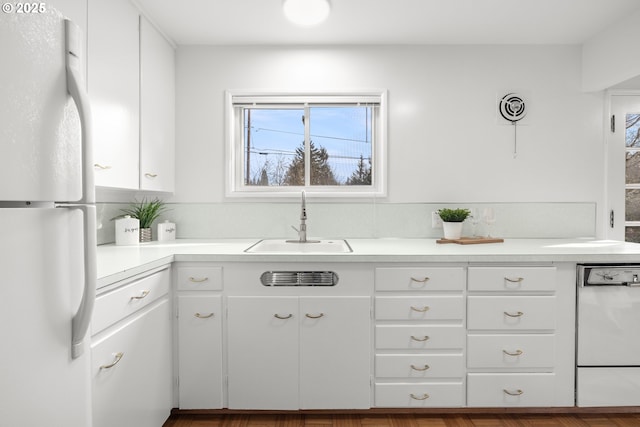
(452, 230)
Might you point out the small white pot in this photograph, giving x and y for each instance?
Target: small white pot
(452, 230)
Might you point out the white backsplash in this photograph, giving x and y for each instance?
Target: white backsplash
(359, 220)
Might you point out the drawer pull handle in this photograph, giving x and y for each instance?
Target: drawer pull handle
(513, 353)
(102, 167)
(118, 357)
(424, 368)
(151, 175)
(424, 396)
(420, 310)
(203, 316)
(424, 338)
(423, 280)
(516, 314)
(198, 280)
(513, 393)
(141, 296)
(314, 316)
(277, 316)
(516, 280)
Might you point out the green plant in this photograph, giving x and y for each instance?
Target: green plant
(453, 215)
(145, 211)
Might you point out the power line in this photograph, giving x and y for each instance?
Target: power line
(316, 136)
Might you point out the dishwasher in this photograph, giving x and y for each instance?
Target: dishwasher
(608, 335)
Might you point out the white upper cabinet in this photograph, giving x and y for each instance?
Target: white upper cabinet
(131, 84)
(113, 81)
(157, 112)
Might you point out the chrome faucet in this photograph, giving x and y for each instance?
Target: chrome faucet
(302, 231)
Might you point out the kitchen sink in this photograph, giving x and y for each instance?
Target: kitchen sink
(293, 246)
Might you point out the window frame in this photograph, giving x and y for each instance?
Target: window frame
(235, 157)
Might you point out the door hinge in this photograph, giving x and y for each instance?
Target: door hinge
(613, 123)
(611, 218)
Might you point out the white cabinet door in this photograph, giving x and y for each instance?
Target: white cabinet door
(157, 110)
(200, 351)
(335, 349)
(114, 86)
(263, 352)
(131, 370)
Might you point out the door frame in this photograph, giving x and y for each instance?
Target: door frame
(613, 197)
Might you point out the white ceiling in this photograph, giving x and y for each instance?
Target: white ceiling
(251, 22)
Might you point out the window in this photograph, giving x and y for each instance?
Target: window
(623, 168)
(328, 144)
(632, 177)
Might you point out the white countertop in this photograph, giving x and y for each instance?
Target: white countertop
(119, 262)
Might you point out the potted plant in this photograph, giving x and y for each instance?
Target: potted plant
(452, 221)
(146, 212)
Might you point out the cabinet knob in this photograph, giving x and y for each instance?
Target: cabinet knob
(416, 368)
(420, 310)
(513, 353)
(422, 339)
(424, 396)
(314, 316)
(198, 279)
(518, 392)
(151, 175)
(423, 280)
(101, 167)
(288, 316)
(141, 296)
(203, 316)
(117, 357)
(516, 314)
(514, 280)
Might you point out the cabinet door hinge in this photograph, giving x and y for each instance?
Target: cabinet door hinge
(612, 218)
(613, 123)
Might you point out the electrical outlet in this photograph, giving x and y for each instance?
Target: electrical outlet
(436, 221)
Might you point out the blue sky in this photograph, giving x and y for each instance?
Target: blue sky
(343, 131)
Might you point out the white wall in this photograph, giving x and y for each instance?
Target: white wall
(444, 143)
(611, 57)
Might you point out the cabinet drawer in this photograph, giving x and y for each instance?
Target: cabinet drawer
(420, 279)
(510, 389)
(419, 365)
(511, 312)
(512, 278)
(511, 351)
(123, 301)
(419, 395)
(199, 278)
(420, 337)
(420, 308)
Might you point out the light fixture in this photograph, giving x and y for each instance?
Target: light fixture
(306, 12)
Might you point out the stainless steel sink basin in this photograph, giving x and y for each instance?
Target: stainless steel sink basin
(273, 246)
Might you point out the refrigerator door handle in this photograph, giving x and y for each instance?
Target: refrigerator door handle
(73, 39)
(82, 318)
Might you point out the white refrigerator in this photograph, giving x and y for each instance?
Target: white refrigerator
(47, 218)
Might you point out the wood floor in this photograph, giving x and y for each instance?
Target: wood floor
(408, 420)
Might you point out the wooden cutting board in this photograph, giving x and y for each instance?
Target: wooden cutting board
(471, 240)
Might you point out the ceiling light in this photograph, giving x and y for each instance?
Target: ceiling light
(306, 12)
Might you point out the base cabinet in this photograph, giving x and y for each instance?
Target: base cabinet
(296, 353)
(131, 370)
(420, 335)
(200, 352)
(131, 355)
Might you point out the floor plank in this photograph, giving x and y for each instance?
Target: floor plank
(405, 420)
